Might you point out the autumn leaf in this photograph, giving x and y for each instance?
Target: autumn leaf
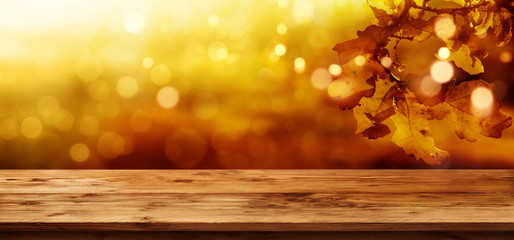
(376, 93)
(465, 60)
(371, 112)
(469, 121)
(378, 16)
(502, 27)
(376, 131)
(482, 21)
(355, 89)
(371, 39)
(359, 67)
(427, 91)
(413, 133)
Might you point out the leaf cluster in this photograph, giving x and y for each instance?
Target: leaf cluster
(382, 101)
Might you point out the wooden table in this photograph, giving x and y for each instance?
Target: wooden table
(257, 204)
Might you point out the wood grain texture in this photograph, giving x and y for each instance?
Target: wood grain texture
(257, 235)
(257, 200)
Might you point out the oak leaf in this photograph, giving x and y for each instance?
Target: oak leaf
(377, 93)
(469, 121)
(502, 27)
(413, 133)
(372, 111)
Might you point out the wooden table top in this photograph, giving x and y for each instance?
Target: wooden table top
(257, 200)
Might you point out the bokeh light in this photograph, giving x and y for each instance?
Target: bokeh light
(443, 53)
(430, 87)
(160, 75)
(147, 62)
(442, 71)
(505, 57)
(299, 65)
(31, 127)
(386, 62)
(197, 84)
(444, 27)
(321, 78)
(335, 70)
(482, 98)
(79, 152)
(360, 60)
(127, 86)
(281, 29)
(280, 49)
(167, 97)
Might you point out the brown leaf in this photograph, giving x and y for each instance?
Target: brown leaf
(376, 131)
(469, 122)
(418, 28)
(502, 27)
(413, 133)
(371, 39)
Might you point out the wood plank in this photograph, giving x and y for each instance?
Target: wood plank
(257, 200)
(257, 235)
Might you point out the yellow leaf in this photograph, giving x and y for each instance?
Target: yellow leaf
(377, 108)
(483, 21)
(469, 121)
(419, 2)
(413, 133)
(359, 80)
(378, 16)
(465, 60)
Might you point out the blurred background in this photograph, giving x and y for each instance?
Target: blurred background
(200, 84)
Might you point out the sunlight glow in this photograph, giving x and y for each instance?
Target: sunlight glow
(303, 10)
(135, 23)
(213, 20)
(43, 16)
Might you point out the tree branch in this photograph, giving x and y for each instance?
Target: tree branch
(453, 11)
